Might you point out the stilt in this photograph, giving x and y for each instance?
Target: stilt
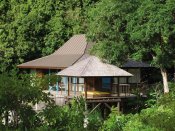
(122, 107)
(50, 87)
(105, 114)
(57, 89)
(118, 105)
(85, 89)
(95, 107)
(74, 89)
(69, 84)
(66, 87)
(49, 76)
(36, 106)
(107, 106)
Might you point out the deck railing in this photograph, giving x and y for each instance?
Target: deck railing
(121, 89)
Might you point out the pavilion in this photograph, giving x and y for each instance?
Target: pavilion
(97, 78)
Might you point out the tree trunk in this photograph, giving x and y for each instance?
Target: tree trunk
(6, 118)
(165, 80)
(15, 118)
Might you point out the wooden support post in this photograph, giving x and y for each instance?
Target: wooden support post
(74, 86)
(107, 106)
(118, 90)
(95, 107)
(118, 105)
(93, 83)
(49, 77)
(77, 84)
(85, 88)
(129, 89)
(111, 84)
(105, 112)
(68, 86)
(122, 106)
(127, 78)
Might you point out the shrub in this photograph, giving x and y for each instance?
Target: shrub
(115, 122)
(95, 121)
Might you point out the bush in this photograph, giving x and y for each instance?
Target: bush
(69, 117)
(16, 98)
(135, 124)
(95, 121)
(160, 117)
(115, 122)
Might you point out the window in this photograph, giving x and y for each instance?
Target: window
(106, 83)
(74, 80)
(122, 80)
(81, 80)
(136, 76)
(81, 84)
(64, 80)
(115, 80)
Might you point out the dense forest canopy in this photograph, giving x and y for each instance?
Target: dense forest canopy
(121, 29)
(30, 29)
(136, 29)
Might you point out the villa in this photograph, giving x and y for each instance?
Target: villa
(86, 75)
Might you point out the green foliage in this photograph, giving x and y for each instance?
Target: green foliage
(69, 117)
(135, 124)
(141, 30)
(107, 27)
(151, 28)
(16, 96)
(46, 80)
(160, 117)
(154, 93)
(34, 28)
(95, 121)
(115, 122)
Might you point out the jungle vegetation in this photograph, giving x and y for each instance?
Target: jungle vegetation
(137, 29)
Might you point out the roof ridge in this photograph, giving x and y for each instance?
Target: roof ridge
(90, 59)
(83, 52)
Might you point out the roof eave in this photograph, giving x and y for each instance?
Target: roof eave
(39, 67)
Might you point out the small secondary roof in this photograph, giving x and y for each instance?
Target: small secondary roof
(135, 64)
(92, 67)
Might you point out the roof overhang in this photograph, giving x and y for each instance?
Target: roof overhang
(93, 67)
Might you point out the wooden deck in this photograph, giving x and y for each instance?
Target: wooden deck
(61, 98)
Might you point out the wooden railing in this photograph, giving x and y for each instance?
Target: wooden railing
(121, 89)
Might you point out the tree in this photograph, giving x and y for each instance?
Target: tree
(152, 30)
(107, 28)
(17, 96)
(35, 28)
(134, 29)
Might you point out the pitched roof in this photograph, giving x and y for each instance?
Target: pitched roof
(93, 66)
(76, 45)
(65, 56)
(135, 64)
(74, 50)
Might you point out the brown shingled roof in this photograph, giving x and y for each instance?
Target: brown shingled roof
(65, 56)
(93, 66)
